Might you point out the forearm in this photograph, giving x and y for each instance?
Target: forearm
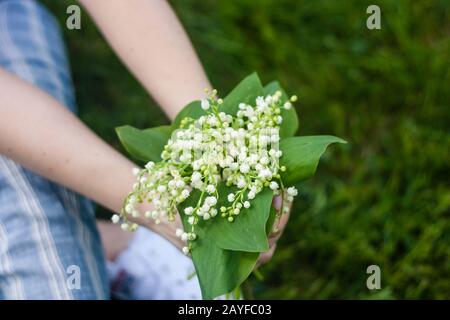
(149, 39)
(42, 135)
(39, 133)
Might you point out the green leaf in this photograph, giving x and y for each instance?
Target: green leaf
(219, 271)
(245, 92)
(144, 145)
(192, 110)
(301, 156)
(248, 230)
(289, 126)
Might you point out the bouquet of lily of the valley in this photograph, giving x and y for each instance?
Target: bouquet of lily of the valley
(218, 166)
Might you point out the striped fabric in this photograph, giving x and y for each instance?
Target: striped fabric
(45, 230)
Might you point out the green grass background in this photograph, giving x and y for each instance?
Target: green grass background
(384, 198)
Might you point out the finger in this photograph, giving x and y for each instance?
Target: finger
(283, 221)
(266, 256)
(281, 224)
(276, 202)
(273, 241)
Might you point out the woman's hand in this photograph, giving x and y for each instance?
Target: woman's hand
(168, 230)
(275, 235)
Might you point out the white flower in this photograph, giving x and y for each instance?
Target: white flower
(185, 193)
(115, 218)
(206, 216)
(185, 250)
(210, 188)
(211, 201)
(244, 168)
(149, 165)
(246, 204)
(161, 188)
(129, 208)
(196, 176)
(230, 197)
(188, 210)
(179, 232)
(179, 184)
(260, 102)
(125, 226)
(287, 105)
(265, 174)
(279, 119)
(205, 104)
(251, 195)
(184, 236)
(143, 180)
(292, 191)
(264, 160)
(135, 171)
(241, 183)
(191, 220)
(273, 185)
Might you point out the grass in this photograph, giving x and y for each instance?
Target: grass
(384, 198)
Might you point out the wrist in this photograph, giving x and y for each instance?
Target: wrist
(163, 228)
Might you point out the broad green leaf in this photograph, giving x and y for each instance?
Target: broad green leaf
(301, 156)
(192, 110)
(144, 145)
(247, 231)
(219, 271)
(245, 92)
(289, 126)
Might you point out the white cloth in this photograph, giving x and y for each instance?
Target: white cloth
(153, 269)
